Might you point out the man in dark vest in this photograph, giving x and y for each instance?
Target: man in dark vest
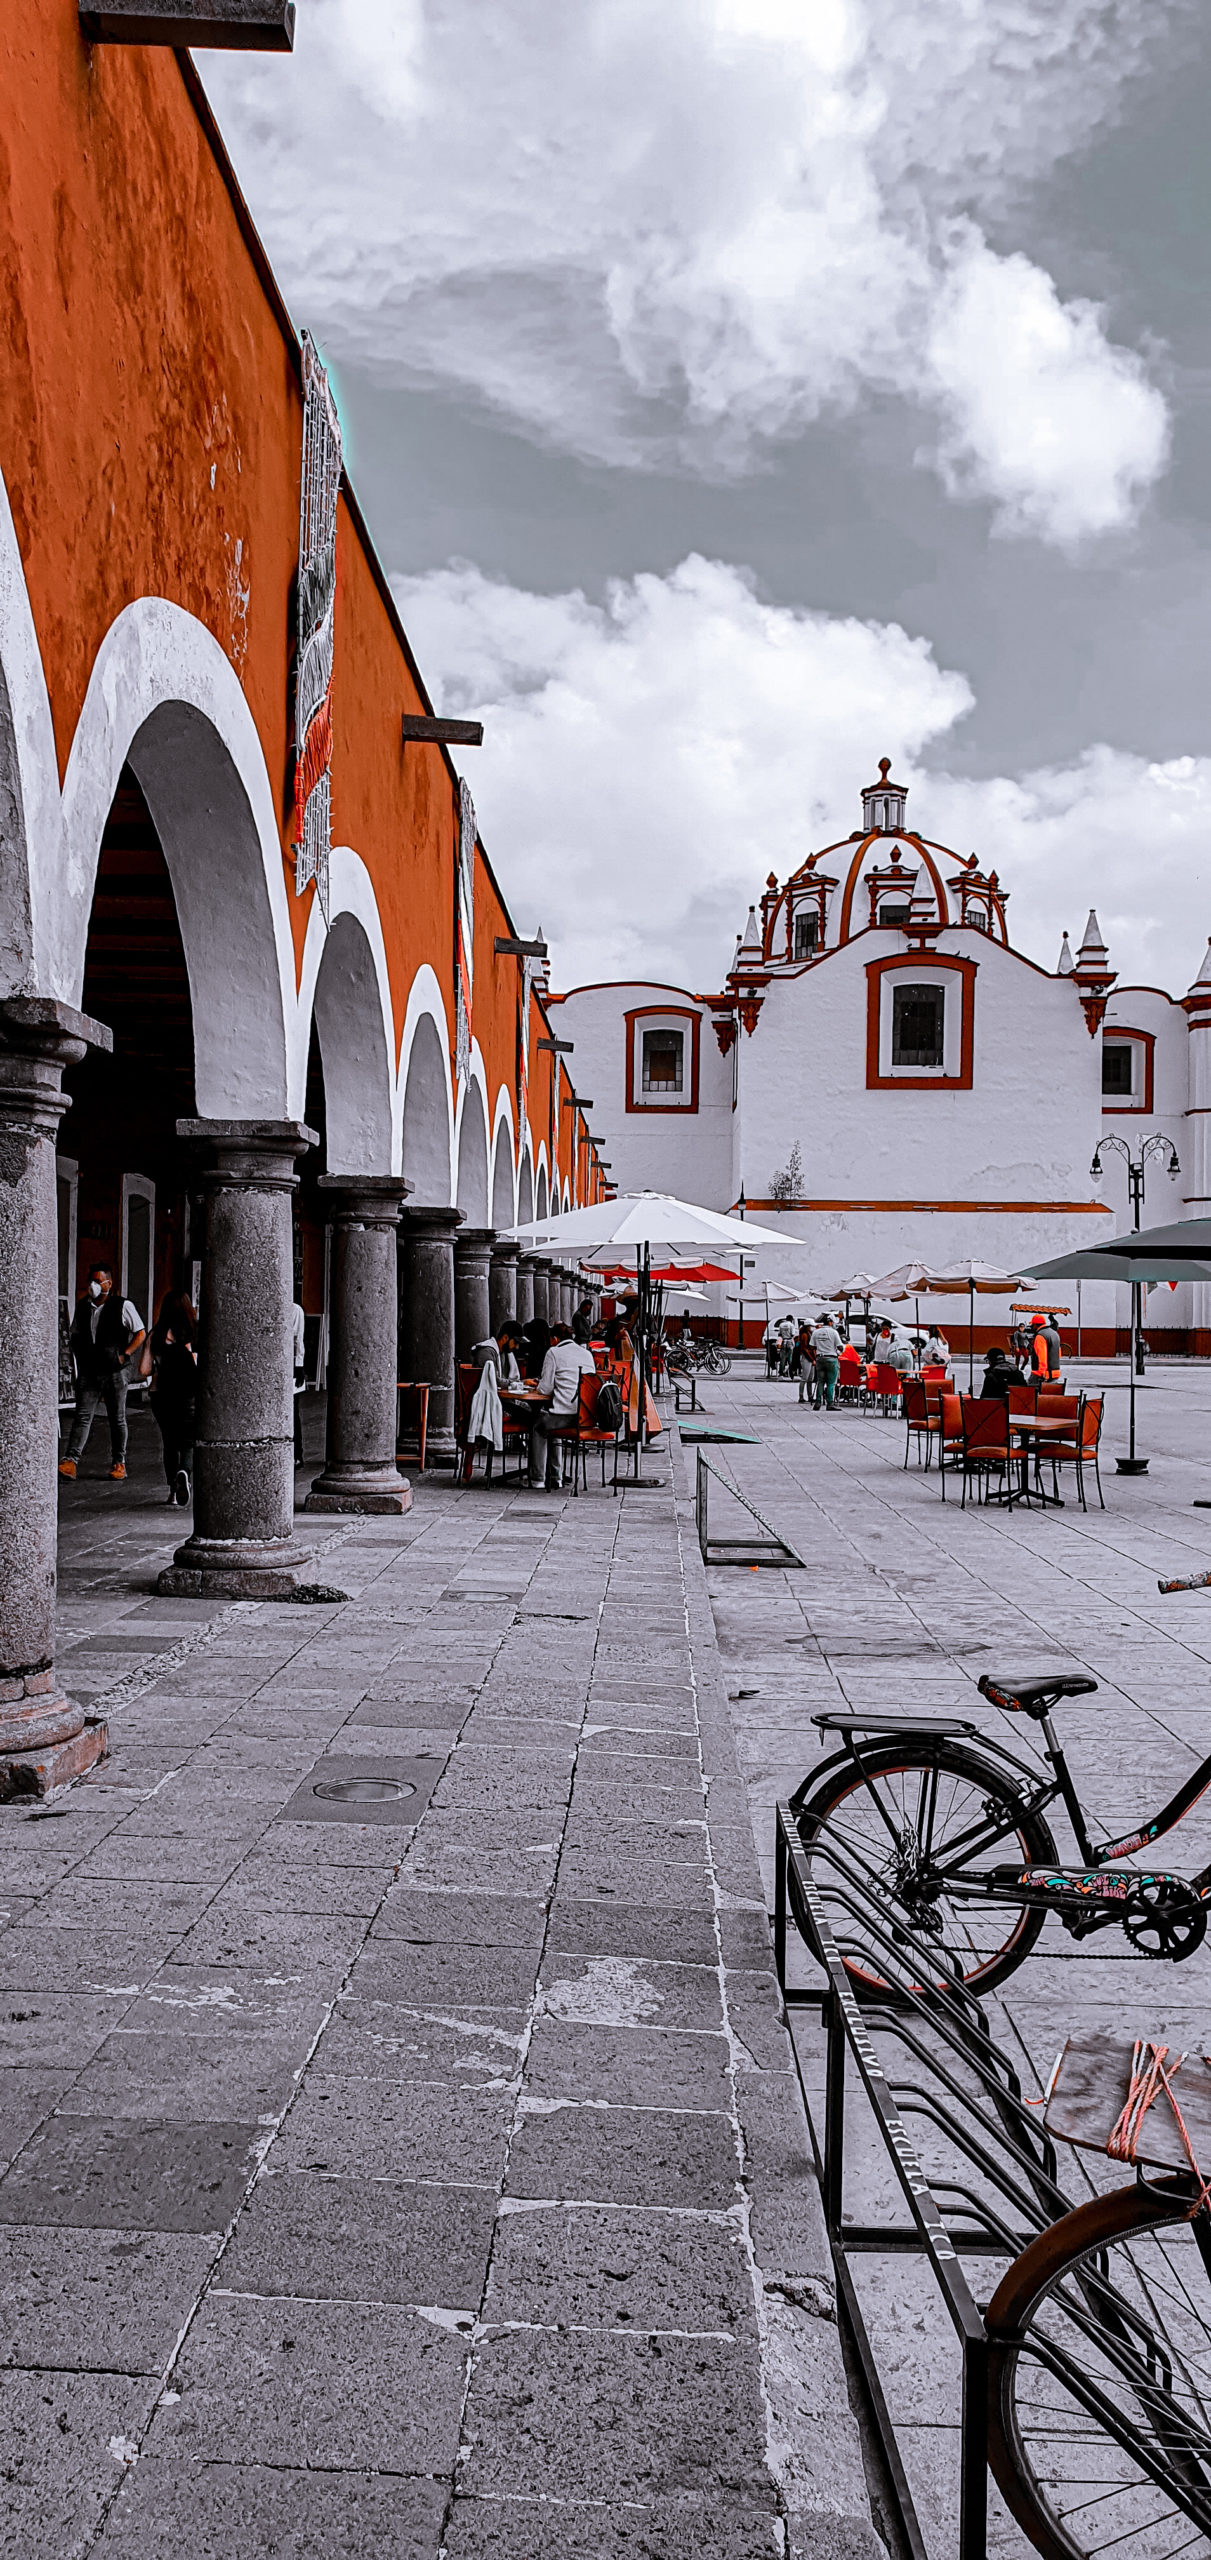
(106, 1332)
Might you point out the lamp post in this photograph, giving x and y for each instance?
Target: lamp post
(1156, 1145)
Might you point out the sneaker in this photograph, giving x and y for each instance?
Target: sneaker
(67, 1467)
(180, 1488)
(118, 1473)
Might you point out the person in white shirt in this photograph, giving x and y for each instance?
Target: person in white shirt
(566, 1363)
(826, 1344)
(105, 1335)
(299, 1333)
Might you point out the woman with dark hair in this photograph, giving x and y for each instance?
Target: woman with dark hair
(174, 1389)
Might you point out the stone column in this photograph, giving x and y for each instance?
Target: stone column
(243, 1545)
(44, 1740)
(541, 1290)
(472, 1250)
(502, 1285)
(525, 1289)
(427, 1333)
(360, 1473)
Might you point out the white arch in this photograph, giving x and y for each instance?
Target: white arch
(425, 1100)
(504, 1186)
(164, 698)
(471, 1194)
(31, 813)
(542, 1195)
(346, 985)
(525, 1190)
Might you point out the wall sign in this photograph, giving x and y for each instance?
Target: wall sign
(321, 480)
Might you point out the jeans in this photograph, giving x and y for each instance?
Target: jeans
(176, 1423)
(91, 1392)
(826, 1381)
(546, 1456)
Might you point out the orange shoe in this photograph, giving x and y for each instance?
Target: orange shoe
(118, 1473)
(67, 1467)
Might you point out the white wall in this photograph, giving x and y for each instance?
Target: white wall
(682, 1151)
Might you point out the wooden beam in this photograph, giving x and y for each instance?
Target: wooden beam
(234, 26)
(562, 1048)
(441, 733)
(509, 942)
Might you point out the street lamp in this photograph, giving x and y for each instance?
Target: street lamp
(1156, 1145)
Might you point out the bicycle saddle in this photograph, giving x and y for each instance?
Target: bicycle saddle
(1035, 1697)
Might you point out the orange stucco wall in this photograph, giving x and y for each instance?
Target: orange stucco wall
(150, 434)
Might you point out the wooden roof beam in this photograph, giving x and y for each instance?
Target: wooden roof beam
(234, 26)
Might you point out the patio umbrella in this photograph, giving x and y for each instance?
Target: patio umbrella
(977, 1279)
(908, 1280)
(1180, 1252)
(633, 1223)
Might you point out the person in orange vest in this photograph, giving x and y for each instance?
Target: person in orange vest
(1042, 1364)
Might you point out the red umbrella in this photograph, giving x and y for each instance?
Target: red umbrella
(692, 1272)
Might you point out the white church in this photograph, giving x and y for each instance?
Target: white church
(884, 1076)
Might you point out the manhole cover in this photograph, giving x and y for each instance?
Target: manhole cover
(362, 1790)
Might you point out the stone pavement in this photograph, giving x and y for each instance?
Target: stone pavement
(419, 2174)
(905, 1601)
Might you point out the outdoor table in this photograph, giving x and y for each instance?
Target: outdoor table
(1028, 1428)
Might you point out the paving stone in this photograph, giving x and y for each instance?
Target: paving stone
(113, 2301)
(270, 1884)
(397, 2129)
(346, 2239)
(655, 2417)
(628, 2066)
(191, 2079)
(67, 2438)
(447, 1977)
(630, 1991)
(607, 1872)
(101, 2174)
(517, 2529)
(41, 2029)
(332, 2385)
(243, 2511)
(464, 1920)
(384, 2040)
(587, 2267)
(607, 1928)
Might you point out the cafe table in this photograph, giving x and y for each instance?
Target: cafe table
(1032, 1432)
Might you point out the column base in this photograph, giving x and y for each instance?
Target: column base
(234, 1569)
(34, 1775)
(367, 1489)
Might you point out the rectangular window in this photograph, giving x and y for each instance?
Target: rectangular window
(1117, 1068)
(918, 1016)
(896, 912)
(663, 1053)
(807, 935)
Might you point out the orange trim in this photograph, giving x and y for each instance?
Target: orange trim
(1123, 1031)
(1040, 1208)
(854, 873)
(876, 971)
(663, 1013)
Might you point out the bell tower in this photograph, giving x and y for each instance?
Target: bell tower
(883, 803)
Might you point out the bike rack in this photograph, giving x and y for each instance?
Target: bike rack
(769, 1549)
(961, 2082)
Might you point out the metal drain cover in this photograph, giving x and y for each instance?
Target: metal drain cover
(362, 1790)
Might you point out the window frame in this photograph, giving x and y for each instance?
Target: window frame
(957, 1073)
(656, 1017)
(1121, 1035)
(912, 990)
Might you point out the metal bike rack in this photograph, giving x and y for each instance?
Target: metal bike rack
(962, 2083)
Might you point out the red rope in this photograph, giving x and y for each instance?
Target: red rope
(1152, 2073)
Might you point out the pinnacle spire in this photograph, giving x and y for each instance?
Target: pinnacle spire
(1064, 965)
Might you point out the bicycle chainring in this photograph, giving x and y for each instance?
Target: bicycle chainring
(1165, 1919)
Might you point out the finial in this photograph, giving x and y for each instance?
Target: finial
(885, 766)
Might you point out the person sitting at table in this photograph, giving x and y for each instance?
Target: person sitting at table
(619, 1333)
(566, 1363)
(535, 1342)
(500, 1351)
(893, 1350)
(936, 1353)
(850, 1364)
(1000, 1373)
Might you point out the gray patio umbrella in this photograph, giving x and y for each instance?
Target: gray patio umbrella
(1178, 1252)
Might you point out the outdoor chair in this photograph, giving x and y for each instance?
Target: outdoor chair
(851, 1378)
(922, 1421)
(950, 1438)
(415, 1412)
(1020, 1399)
(1082, 1450)
(887, 1385)
(466, 1380)
(986, 1450)
(590, 1434)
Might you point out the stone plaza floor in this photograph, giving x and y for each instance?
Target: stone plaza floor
(431, 2175)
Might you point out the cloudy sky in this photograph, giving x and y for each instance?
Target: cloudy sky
(742, 390)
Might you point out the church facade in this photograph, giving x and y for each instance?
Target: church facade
(886, 1077)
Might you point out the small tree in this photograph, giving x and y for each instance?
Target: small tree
(788, 1185)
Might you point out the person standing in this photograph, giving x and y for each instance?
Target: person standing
(174, 1390)
(105, 1333)
(299, 1325)
(826, 1347)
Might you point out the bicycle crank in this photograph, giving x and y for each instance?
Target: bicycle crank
(1161, 1915)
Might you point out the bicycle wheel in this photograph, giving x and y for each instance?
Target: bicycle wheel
(911, 1812)
(1099, 2392)
(719, 1361)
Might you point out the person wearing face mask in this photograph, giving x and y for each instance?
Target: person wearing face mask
(106, 1332)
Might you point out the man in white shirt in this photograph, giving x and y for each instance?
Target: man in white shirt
(566, 1363)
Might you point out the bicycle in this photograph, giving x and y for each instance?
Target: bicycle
(1099, 2357)
(921, 1815)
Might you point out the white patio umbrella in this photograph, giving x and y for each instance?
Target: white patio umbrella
(977, 1279)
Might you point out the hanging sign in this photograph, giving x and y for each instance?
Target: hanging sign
(464, 931)
(321, 480)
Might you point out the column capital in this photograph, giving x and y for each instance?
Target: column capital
(506, 1251)
(251, 1155)
(477, 1239)
(364, 1199)
(40, 1026)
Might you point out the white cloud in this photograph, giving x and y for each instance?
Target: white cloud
(670, 235)
(647, 761)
